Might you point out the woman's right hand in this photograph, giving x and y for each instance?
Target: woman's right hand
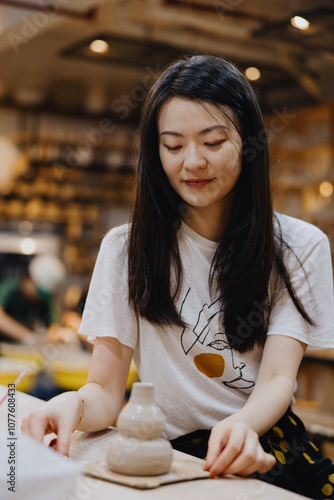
(59, 415)
(103, 395)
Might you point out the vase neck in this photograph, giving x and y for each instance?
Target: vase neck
(142, 392)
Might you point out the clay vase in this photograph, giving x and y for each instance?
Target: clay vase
(138, 448)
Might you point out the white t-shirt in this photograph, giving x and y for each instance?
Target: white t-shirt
(198, 379)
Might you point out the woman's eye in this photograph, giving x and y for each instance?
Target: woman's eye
(174, 148)
(214, 144)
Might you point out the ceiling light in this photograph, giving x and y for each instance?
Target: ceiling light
(252, 73)
(27, 246)
(300, 23)
(326, 189)
(99, 46)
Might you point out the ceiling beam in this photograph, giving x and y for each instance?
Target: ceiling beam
(86, 14)
(218, 7)
(293, 65)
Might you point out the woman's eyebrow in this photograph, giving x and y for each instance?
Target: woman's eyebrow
(214, 127)
(167, 132)
(201, 132)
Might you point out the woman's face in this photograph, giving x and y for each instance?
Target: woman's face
(201, 153)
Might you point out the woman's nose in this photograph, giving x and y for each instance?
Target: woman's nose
(194, 159)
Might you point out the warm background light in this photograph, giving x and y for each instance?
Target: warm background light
(252, 73)
(25, 227)
(326, 189)
(300, 23)
(27, 246)
(99, 46)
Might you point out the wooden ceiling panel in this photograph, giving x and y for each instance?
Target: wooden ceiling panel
(151, 33)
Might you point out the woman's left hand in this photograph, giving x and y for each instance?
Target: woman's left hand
(234, 448)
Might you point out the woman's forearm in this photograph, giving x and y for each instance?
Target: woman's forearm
(266, 405)
(99, 408)
(275, 384)
(9, 326)
(93, 407)
(104, 391)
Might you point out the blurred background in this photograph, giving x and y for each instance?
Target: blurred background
(72, 77)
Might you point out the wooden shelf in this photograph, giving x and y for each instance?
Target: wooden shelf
(302, 153)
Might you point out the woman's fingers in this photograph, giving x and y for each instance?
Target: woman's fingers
(215, 446)
(63, 441)
(247, 456)
(261, 465)
(268, 463)
(223, 456)
(235, 449)
(251, 459)
(36, 425)
(60, 416)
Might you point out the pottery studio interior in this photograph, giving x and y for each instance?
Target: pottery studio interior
(74, 76)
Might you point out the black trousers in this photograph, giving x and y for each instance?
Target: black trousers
(299, 467)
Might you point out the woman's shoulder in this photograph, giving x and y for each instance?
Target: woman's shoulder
(297, 231)
(118, 232)
(116, 239)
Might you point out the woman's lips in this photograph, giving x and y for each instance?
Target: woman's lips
(197, 183)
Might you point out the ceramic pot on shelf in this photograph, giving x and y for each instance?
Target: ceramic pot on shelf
(138, 448)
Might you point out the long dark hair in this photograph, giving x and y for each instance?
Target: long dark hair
(248, 264)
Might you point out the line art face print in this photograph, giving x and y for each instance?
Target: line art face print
(208, 346)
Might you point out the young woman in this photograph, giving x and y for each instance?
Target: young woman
(214, 295)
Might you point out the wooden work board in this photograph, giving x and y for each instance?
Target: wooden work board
(184, 468)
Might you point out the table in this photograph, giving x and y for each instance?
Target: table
(229, 488)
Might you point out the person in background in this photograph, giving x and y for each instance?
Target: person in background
(27, 304)
(74, 303)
